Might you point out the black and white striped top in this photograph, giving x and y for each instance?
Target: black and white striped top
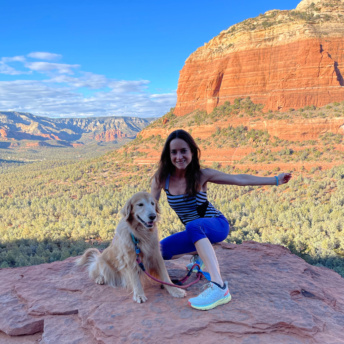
(186, 206)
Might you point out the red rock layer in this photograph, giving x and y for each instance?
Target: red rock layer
(3, 133)
(110, 135)
(297, 129)
(36, 144)
(300, 73)
(17, 135)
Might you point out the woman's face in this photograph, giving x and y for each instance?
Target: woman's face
(180, 154)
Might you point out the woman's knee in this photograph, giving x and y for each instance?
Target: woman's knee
(215, 229)
(166, 256)
(165, 252)
(195, 230)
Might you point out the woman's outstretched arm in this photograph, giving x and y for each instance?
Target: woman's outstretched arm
(218, 177)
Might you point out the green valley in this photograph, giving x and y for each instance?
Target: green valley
(52, 211)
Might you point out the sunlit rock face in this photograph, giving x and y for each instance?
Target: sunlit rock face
(276, 298)
(282, 59)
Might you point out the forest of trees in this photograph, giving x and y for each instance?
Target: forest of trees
(52, 210)
(49, 215)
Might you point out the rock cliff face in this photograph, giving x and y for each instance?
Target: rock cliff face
(110, 135)
(282, 59)
(276, 298)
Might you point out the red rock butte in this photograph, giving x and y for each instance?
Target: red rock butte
(282, 59)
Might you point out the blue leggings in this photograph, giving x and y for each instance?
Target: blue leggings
(216, 229)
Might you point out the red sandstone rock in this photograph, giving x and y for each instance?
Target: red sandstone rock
(36, 144)
(50, 136)
(110, 135)
(279, 60)
(297, 129)
(276, 298)
(3, 133)
(77, 144)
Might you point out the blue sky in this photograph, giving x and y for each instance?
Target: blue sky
(81, 58)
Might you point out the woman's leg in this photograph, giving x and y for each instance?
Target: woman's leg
(217, 293)
(206, 251)
(177, 245)
(198, 236)
(203, 232)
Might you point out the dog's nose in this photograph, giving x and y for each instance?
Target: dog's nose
(152, 217)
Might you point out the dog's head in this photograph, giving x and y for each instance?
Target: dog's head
(143, 208)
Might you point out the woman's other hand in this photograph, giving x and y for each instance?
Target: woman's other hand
(283, 178)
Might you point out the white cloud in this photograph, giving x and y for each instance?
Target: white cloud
(44, 56)
(123, 86)
(5, 67)
(70, 92)
(13, 59)
(43, 99)
(44, 67)
(88, 80)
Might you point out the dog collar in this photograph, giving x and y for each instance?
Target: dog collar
(137, 251)
(136, 242)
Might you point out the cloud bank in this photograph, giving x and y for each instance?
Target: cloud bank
(64, 90)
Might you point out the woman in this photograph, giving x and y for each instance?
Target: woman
(185, 184)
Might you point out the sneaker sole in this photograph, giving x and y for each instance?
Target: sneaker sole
(212, 305)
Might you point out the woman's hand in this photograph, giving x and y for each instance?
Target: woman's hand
(283, 178)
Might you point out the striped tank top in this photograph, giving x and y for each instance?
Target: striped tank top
(189, 208)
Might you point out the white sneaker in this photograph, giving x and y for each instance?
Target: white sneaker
(211, 297)
(195, 259)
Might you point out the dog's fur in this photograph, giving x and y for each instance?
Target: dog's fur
(117, 265)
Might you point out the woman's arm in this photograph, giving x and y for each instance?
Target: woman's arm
(155, 189)
(218, 177)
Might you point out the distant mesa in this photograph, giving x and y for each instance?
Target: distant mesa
(110, 135)
(282, 59)
(27, 130)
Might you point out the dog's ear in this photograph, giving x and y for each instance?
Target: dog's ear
(126, 210)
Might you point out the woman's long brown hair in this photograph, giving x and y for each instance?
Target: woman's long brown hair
(193, 170)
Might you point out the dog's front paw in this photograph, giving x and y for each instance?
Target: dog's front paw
(139, 298)
(177, 292)
(99, 280)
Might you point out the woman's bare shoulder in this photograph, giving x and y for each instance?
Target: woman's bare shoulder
(207, 172)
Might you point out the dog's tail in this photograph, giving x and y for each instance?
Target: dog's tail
(89, 257)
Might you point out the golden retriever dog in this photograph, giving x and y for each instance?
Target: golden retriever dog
(117, 265)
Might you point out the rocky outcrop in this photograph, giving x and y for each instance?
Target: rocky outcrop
(110, 135)
(276, 298)
(3, 133)
(282, 59)
(77, 144)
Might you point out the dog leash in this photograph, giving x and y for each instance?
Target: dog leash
(179, 283)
